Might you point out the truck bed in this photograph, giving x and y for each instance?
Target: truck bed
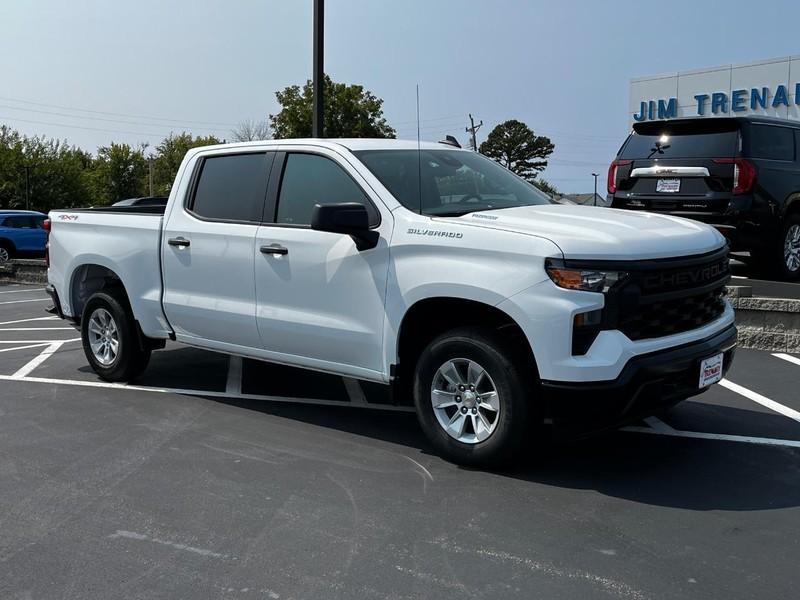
(121, 242)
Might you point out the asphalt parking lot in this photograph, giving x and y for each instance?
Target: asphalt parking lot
(205, 481)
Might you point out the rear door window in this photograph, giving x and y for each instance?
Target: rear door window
(770, 142)
(232, 187)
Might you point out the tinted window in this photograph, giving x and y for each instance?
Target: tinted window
(23, 223)
(231, 187)
(772, 143)
(310, 179)
(681, 145)
(453, 182)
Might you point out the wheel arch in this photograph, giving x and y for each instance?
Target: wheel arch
(430, 317)
(89, 278)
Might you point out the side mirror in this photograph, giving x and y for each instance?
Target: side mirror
(350, 218)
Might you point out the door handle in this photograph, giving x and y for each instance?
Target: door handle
(274, 249)
(180, 242)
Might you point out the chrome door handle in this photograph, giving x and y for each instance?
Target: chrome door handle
(274, 249)
(180, 242)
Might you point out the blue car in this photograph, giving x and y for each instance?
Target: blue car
(22, 234)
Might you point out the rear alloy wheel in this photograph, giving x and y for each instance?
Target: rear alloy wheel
(5, 254)
(791, 249)
(472, 397)
(111, 340)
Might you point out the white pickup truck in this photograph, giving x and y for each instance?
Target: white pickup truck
(428, 268)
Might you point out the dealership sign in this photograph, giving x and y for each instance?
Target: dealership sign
(767, 87)
(720, 102)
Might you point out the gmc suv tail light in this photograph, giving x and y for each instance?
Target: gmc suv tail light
(612, 174)
(744, 173)
(46, 227)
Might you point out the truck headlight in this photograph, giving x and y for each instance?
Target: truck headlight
(587, 280)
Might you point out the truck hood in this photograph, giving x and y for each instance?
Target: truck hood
(589, 232)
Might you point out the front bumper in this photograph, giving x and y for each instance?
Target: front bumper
(648, 383)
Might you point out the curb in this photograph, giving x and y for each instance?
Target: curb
(24, 271)
(771, 324)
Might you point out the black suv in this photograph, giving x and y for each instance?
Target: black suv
(739, 174)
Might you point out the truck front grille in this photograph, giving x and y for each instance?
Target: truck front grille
(659, 297)
(673, 316)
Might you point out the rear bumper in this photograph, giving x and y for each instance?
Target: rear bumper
(743, 222)
(648, 383)
(51, 291)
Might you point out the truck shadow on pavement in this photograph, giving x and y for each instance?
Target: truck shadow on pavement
(651, 469)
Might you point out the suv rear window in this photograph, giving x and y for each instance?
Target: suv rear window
(770, 142)
(701, 139)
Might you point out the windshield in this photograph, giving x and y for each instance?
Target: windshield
(454, 182)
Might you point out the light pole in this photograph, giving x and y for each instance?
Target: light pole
(594, 198)
(317, 114)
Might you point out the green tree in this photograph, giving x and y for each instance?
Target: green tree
(170, 153)
(120, 171)
(545, 186)
(59, 174)
(350, 111)
(515, 146)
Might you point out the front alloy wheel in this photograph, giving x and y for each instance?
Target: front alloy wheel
(465, 401)
(474, 391)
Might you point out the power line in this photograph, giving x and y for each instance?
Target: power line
(61, 114)
(114, 114)
(2, 118)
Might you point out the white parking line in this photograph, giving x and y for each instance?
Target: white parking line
(28, 320)
(24, 301)
(354, 390)
(39, 341)
(762, 400)
(23, 347)
(28, 367)
(234, 383)
(720, 437)
(21, 291)
(36, 329)
(788, 358)
(203, 393)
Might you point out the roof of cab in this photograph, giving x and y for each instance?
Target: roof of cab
(353, 144)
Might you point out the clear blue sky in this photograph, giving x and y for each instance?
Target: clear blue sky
(562, 67)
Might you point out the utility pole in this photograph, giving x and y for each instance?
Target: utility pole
(27, 187)
(150, 165)
(472, 130)
(319, 69)
(594, 198)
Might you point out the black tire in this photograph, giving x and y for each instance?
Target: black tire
(6, 252)
(771, 260)
(131, 358)
(498, 358)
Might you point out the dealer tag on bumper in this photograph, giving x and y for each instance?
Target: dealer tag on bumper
(711, 370)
